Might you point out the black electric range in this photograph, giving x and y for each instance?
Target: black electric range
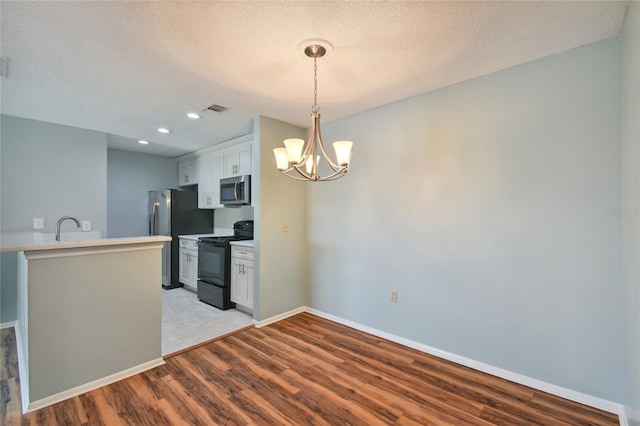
(214, 265)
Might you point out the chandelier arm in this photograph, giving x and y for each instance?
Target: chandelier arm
(292, 168)
(302, 173)
(335, 167)
(303, 179)
(334, 176)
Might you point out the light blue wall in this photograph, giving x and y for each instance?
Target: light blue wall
(130, 176)
(630, 212)
(484, 205)
(49, 171)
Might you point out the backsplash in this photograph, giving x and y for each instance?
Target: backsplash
(226, 217)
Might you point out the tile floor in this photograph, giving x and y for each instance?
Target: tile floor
(186, 321)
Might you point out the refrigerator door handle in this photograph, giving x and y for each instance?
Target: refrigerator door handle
(153, 224)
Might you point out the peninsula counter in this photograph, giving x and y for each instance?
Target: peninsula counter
(89, 312)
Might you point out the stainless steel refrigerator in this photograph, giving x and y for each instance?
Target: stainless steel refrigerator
(172, 213)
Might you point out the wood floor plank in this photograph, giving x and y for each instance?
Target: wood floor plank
(260, 414)
(107, 412)
(412, 399)
(188, 409)
(192, 401)
(218, 400)
(303, 370)
(10, 402)
(8, 356)
(91, 410)
(67, 414)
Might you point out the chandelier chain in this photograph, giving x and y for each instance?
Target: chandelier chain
(315, 108)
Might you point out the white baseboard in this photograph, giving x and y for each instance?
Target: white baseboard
(70, 393)
(9, 324)
(592, 401)
(280, 317)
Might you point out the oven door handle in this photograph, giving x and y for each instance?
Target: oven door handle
(235, 190)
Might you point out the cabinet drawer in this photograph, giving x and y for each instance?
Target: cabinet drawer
(242, 252)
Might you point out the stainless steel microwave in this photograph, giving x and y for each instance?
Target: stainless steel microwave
(235, 190)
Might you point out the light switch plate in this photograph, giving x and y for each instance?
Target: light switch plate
(38, 223)
(86, 225)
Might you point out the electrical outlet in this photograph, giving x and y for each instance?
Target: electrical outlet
(394, 296)
(38, 223)
(86, 225)
(285, 227)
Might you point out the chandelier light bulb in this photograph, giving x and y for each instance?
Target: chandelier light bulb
(343, 152)
(282, 159)
(294, 149)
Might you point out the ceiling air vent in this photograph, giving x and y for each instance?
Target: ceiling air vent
(216, 109)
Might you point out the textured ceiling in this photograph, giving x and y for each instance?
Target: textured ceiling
(127, 68)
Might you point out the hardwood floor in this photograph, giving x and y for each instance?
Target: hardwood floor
(309, 371)
(9, 382)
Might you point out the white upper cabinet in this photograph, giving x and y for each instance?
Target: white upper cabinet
(210, 169)
(188, 172)
(207, 166)
(237, 160)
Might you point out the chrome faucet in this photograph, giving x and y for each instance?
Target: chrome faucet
(62, 219)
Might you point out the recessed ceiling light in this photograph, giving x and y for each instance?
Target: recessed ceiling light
(143, 142)
(193, 115)
(164, 130)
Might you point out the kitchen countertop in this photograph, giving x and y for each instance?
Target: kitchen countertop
(244, 243)
(32, 241)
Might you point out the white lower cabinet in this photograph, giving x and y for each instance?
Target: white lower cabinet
(242, 276)
(188, 269)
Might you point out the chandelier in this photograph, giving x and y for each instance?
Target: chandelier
(300, 160)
